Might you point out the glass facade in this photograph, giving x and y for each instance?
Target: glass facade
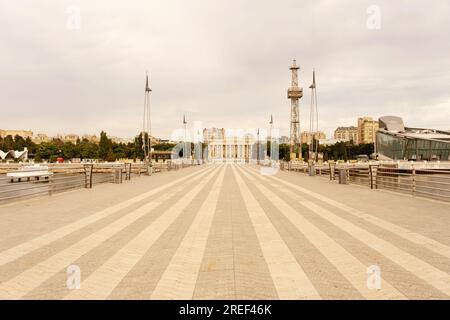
(408, 148)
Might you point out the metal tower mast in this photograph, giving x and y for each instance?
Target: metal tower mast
(271, 140)
(185, 155)
(257, 147)
(147, 128)
(294, 94)
(313, 122)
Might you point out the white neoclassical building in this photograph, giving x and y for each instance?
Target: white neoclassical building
(223, 148)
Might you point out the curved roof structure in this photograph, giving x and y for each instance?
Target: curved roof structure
(391, 123)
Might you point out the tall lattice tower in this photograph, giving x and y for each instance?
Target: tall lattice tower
(295, 93)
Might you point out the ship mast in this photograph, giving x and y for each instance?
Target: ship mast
(146, 128)
(313, 143)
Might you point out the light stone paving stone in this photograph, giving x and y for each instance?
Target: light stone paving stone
(435, 277)
(394, 262)
(352, 269)
(326, 278)
(55, 288)
(233, 265)
(183, 269)
(20, 250)
(46, 214)
(216, 284)
(416, 238)
(422, 252)
(16, 267)
(141, 280)
(289, 278)
(20, 285)
(102, 282)
(266, 237)
(407, 283)
(403, 213)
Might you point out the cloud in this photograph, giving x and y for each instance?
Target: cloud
(222, 63)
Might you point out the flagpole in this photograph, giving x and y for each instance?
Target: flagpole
(313, 120)
(257, 148)
(150, 135)
(147, 128)
(185, 138)
(317, 115)
(143, 128)
(271, 141)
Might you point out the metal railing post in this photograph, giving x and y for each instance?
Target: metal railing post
(414, 179)
(332, 166)
(373, 176)
(88, 169)
(127, 171)
(50, 185)
(86, 178)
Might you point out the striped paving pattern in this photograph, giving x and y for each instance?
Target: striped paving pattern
(228, 232)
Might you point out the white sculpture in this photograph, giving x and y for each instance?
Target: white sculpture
(20, 155)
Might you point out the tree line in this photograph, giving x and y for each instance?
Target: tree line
(105, 149)
(339, 151)
(108, 150)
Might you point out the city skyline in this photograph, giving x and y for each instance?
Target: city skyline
(214, 69)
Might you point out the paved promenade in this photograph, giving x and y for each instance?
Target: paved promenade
(225, 232)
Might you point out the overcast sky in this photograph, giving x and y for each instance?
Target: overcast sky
(225, 63)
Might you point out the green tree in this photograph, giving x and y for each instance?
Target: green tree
(88, 150)
(8, 143)
(345, 150)
(119, 150)
(284, 150)
(138, 149)
(130, 150)
(31, 146)
(163, 146)
(69, 150)
(47, 151)
(105, 147)
(19, 143)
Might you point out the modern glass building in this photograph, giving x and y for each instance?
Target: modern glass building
(397, 142)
